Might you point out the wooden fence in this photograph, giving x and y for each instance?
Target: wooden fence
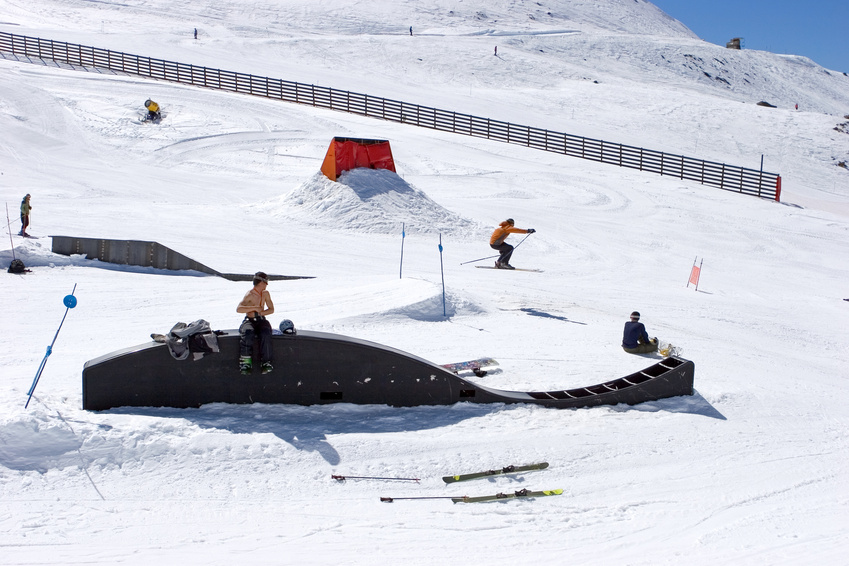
(727, 177)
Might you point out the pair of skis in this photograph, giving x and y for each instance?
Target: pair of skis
(522, 493)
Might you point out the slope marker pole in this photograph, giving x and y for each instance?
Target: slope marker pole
(70, 301)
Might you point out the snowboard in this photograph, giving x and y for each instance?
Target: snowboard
(514, 269)
(666, 349)
(472, 365)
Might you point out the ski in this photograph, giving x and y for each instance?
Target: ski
(471, 365)
(521, 494)
(502, 471)
(514, 269)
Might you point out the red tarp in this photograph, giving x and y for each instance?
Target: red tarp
(349, 153)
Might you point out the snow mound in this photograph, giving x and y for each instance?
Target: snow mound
(432, 309)
(374, 201)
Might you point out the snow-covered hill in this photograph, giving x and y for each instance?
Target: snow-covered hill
(749, 470)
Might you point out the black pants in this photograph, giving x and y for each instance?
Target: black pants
(248, 331)
(506, 251)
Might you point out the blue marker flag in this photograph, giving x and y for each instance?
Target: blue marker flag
(70, 301)
(401, 268)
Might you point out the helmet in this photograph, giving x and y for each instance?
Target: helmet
(287, 327)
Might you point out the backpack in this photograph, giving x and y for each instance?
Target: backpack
(195, 338)
(17, 266)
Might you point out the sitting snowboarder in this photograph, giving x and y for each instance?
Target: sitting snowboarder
(153, 114)
(635, 339)
(255, 305)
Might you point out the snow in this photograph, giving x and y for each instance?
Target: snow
(751, 469)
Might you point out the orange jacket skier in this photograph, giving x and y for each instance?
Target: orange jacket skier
(496, 242)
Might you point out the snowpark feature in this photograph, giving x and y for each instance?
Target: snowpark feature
(318, 368)
(751, 469)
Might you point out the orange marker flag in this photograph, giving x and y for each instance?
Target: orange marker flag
(695, 272)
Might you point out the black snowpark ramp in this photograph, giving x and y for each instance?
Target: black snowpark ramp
(312, 368)
(145, 254)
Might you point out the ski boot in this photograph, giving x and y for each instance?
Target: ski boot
(246, 364)
(267, 367)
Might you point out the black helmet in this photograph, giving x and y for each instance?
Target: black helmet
(635, 315)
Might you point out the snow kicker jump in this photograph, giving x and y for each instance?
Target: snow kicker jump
(312, 368)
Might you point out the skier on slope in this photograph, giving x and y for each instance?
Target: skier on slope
(255, 305)
(26, 207)
(635, 339)
(152, 110)
(496, 242)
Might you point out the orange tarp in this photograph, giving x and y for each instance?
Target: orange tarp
(350, 153)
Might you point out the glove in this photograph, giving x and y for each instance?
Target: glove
(531, 230)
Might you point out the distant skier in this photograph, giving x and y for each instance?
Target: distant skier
(26, 207)
(635, 339)
(152, 110)
(255, 305)
(496, 51)
(411, 30)
(496, 242)
(196, 33)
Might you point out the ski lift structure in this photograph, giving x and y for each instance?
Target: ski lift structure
(735, 43)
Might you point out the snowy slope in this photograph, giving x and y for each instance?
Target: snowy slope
(752, 469)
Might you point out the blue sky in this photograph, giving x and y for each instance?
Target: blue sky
(817, 29)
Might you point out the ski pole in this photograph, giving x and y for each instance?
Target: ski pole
(9, 226)
(343, 478)
(492, 256)
(70, 301)
(481, 259)
(401, 268)
(391, 499)
(442, 270)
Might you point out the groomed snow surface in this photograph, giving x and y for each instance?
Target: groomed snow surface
(751, 469)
